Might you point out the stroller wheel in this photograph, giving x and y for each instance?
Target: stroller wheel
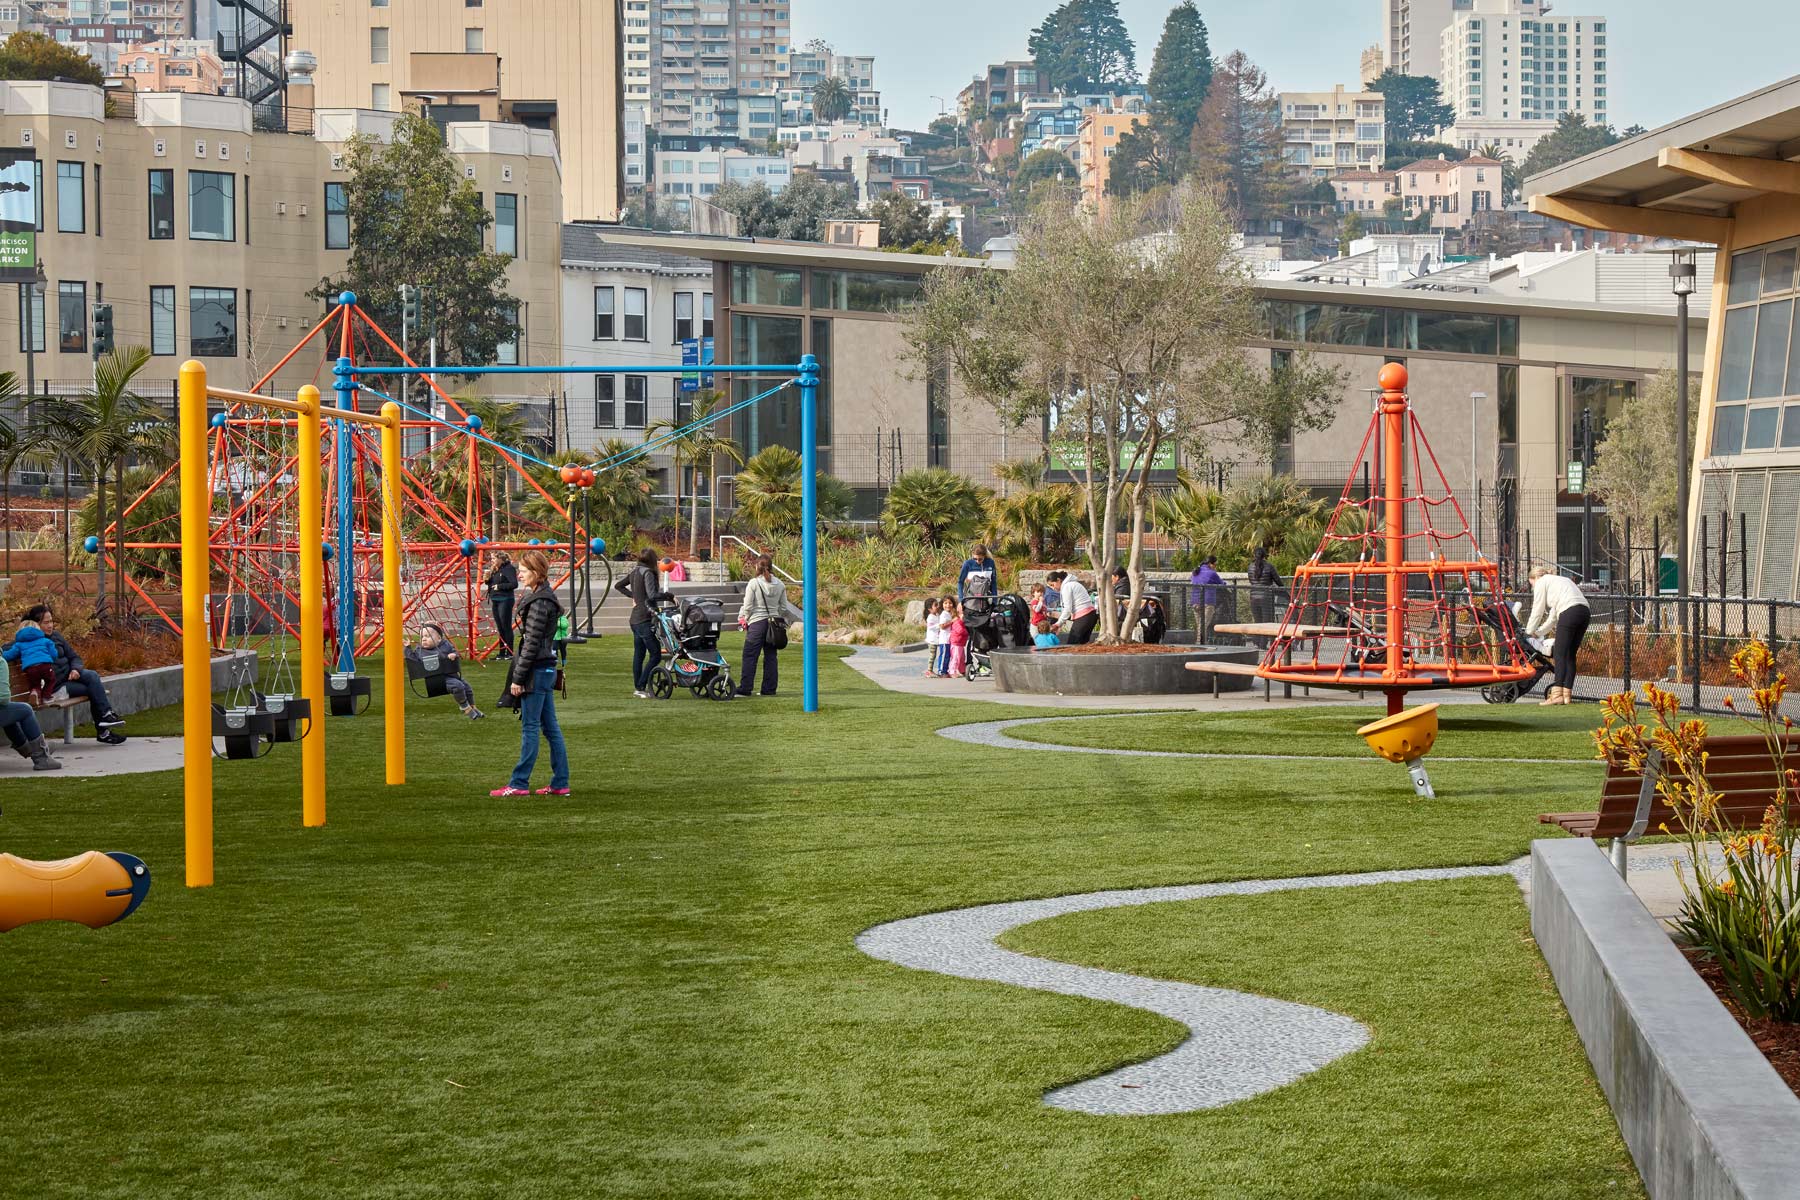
(720, 688)
(662, 684)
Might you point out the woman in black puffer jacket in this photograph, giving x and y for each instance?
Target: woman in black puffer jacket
(533, 680)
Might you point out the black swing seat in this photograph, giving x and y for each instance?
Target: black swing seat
(247, 732)
(290, 715)
(430, 668)
(344, 691)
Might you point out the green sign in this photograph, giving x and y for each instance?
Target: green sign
(1072, 457)
(1577, 477)
(18, 215)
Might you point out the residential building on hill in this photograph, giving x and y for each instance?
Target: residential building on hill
(1097, 139)
(1510, 60)
(1365, 191)
(1002, 85)
(685, 167)
(736, 46)
(1327, 132)
(172, 66)
(1452, 192)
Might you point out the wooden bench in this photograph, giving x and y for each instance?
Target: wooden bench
(1739, 767)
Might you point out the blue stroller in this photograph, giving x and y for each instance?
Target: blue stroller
(688, 632)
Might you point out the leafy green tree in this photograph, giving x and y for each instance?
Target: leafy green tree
(1415, 106)
(1634, 468)
(1180, 74)
(1404, 154)
(1083, 46)
(831, 100)
(1238, 141)
(1572, 138)
(156, 518)
(19, 444)
(936, 504)
(1349, 231)
(943, 126)
(768, 495)
(415, 220)
(798, 213)
(643, 212)
(1143, 160)
(1044, 167)
(907, 224)
(28, 55)
(698, 449)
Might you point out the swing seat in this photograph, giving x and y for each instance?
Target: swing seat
(342, 693)
(430, 669)
(93, 889)
(291, 716)
(247, 732)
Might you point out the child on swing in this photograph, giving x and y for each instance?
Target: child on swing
(433, 638)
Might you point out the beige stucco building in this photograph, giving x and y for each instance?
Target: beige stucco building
(1452, 192)
(1101, 130)
(557, 64)
(1324, 133)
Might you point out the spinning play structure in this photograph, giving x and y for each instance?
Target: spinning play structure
(92, 889)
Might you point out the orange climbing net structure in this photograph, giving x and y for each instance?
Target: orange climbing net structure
(1398, 597)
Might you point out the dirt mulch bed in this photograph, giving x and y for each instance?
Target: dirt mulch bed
(1126, 648)
(1778, 1040)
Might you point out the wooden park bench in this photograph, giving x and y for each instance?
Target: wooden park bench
(1740, 767)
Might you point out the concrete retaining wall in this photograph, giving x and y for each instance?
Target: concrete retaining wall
(158, 687)
(1049, 673)
(1704, 1114)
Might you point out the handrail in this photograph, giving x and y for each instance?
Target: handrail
(718, 552)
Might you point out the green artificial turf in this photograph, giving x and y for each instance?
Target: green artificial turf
(652, 990)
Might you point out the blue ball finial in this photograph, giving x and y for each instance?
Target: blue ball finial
(534, 542)
(217, 420)
(474, 422)
(598, 545)
(483, 539)
(325, 551)
(346, 297)
(466, 547)
(91, 545)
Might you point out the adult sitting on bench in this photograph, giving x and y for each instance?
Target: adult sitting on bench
(26, 736)
(77, 682)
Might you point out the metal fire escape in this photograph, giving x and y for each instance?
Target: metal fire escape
(253, 25)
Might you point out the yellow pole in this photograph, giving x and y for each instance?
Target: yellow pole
(196, 659)
(312, 614)
(393, 633)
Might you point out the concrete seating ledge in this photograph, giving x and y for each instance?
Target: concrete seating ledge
(1701, 1110)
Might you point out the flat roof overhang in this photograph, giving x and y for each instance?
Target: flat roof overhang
(1686, 179)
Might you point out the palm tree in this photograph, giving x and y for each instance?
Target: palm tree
(768, 491)
(1026, 473)
(103, 428)
(935, 502)
(831, 100)
(696, 444)
(1509, 170)
(621, 494)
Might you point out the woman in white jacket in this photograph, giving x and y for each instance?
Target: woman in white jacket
(765, 604)
(1558, 608)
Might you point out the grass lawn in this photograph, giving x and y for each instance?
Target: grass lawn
(651, 989)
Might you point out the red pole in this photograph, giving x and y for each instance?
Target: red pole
(1393, 411)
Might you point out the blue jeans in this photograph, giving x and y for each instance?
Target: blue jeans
(88, 685)
(646, 653)
(20, 723)
(537, 713)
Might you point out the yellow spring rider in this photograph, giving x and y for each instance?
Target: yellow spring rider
(93, 889)
(1407, 737)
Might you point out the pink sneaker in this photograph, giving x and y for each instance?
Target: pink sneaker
(509, 790)
(550, 791)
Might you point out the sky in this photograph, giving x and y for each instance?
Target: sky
(1669, 57)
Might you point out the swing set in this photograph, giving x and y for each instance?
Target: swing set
(273, 529)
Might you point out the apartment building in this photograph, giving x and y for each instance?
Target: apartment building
(753, 117)
(1324, 133)
(1513, 136)
(1510, 60)
(1096, 141)
(858, 73)
(1413, 30)
(834, 145)
(685, 167)
(1454, 193)
(636, 162)
(1003, 85)
(639, 53)
(205, 235)
(550, 64)
(165, 18)
(172, 66)
(709, 46)
(875, 174)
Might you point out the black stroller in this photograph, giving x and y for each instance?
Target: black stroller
(1503, 621)
(1002, 624)
(689, 634)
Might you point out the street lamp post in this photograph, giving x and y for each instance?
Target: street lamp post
(36, 289)
(1683, 279)
(1475, 401)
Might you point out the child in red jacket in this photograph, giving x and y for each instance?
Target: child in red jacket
(959, 639)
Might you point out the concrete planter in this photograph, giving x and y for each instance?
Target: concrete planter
(158, 687)
(1700, 1108)
(1053, 673)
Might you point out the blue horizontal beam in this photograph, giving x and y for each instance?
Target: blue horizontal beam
(708, 369)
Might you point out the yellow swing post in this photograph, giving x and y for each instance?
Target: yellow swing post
(312, 610)
(196, 657)
(393, 632)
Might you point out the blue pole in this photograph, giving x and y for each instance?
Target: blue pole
(346, 534)
(809, 532)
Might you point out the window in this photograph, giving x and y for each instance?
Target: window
(637, 401)
(1760, 358)
(684, 316)
(212, 206)
(865, 291)
(606, 409)
(636, 328)
(71, 318)
(31, 316)
(378, 44)
(37, 192)
(162, 320)
(706, 315)
(212, 322)
(71, 197)
(776, 286)
(378, 3)
(507, 352)
(471, 41)
(162, 205)
(337, 217)
(506, 223)
(380, 97)
(603, 315)
(99, 225)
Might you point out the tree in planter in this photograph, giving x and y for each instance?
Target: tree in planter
(1634, 468)
(934, 503)
(767, 490)
(105, 426)
(415, 220)
(700, 448)
(1124, 348)
(831, 100)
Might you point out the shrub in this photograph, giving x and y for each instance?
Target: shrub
(935, 504)
(768, 496)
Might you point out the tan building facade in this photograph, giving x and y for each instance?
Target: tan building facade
(1324, 133)
(205, 236)
(1101, 130)
(1452, 192)
(553, 63)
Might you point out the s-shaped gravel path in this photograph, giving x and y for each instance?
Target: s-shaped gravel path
(1239, 1045)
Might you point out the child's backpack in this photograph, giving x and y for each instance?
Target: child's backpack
(562, 628)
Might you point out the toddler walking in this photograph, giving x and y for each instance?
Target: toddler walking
(934, 636)
(959, 639)
(432, 638)
(35, 653)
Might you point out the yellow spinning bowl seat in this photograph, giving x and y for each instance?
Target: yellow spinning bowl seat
(91, 889)
(1404, 737)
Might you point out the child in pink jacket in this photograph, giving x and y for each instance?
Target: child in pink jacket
(959, 639)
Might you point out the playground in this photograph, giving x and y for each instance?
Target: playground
(655, 988)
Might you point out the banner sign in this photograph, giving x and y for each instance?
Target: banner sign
(18, 215)
(696, 352)
(1072, 457)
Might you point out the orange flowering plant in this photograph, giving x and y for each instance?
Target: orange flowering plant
(1742, 905)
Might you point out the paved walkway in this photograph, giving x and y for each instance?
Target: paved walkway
(88, 759)
(899, 672)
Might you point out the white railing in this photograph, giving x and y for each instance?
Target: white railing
(719, 553)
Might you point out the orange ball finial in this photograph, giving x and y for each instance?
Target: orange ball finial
(570, 473)
(1392, 378)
